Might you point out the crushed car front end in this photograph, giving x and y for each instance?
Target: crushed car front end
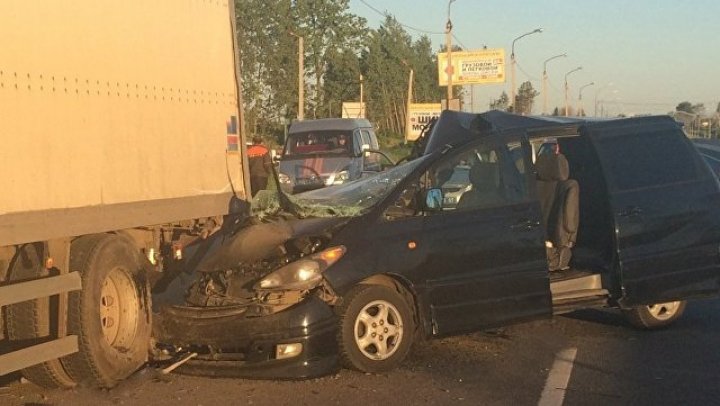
(257, 305)
(249, 341)
(256, 302)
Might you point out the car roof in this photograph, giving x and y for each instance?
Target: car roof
(455, 127)
(329, 124)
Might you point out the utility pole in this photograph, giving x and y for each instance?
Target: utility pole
(544, 81)
(472, 98)
(301, 76)
(407, 107)
(362, 108)
(301, 79)
(448, 49)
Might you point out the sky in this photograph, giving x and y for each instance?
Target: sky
(643, 56)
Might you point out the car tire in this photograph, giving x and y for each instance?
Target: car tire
(110, 315)
(35, 320)
(656, 315)
(377, 327)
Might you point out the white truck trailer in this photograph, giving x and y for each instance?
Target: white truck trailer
(121, 131)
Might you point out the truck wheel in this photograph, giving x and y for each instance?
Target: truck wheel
(30, 321)
(655, 315)
(111, 314)
(376, 329)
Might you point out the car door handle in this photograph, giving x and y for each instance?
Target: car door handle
(630, 211)
(525, 225)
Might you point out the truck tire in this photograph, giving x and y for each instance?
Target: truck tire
(656, 315)
(376, 328)
(111, 314)
(31, 322)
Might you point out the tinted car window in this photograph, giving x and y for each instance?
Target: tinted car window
(645, 160)
(480, 177)
(319, 142)
(370, 140)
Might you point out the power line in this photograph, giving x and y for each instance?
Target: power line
(529, 76)
(554, 88)
(459, 42)
(386, 14)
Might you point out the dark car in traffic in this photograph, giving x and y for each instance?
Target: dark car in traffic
(624, 214)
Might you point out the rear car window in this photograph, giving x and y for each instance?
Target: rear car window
(647, 159)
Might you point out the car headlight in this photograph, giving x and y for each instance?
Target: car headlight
(283, 178)
(302, 274)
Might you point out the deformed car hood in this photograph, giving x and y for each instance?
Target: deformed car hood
(257, 241)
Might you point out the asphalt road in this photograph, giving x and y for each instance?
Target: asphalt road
(603, 360)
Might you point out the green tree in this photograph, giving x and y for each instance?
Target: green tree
(328, 28)
(342, 82)
(266, 56)
(500, 103)
(424, 63)
(386, 62)
(688, 107)
(386, 66)
(525, 98)
(338, 48)
(685, 106)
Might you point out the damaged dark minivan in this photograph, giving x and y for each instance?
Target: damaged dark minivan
(623, 213)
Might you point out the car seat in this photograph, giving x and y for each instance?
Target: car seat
(559, 202)
(484, 180)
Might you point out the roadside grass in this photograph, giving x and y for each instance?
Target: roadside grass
(394, 145)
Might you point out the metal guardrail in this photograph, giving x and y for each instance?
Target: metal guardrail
(35, 289)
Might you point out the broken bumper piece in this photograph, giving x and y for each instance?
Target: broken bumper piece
(298, 342)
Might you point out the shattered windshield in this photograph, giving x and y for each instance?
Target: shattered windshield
(347, 200)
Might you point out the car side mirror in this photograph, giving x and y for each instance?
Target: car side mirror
(434, 199)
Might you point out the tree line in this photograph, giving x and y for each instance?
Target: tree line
(339, 50)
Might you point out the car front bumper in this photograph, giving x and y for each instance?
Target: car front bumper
(232, 343)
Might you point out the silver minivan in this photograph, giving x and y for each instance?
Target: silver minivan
(327, 152)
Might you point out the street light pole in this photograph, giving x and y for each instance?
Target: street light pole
(512, 64)
(448, 49)
(567, 88)
(544, 81)
(580, 103)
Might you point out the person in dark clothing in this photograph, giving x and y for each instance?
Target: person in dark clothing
(259, 161)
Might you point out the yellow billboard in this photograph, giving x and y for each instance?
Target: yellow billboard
(420, 115)
(473, 67)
